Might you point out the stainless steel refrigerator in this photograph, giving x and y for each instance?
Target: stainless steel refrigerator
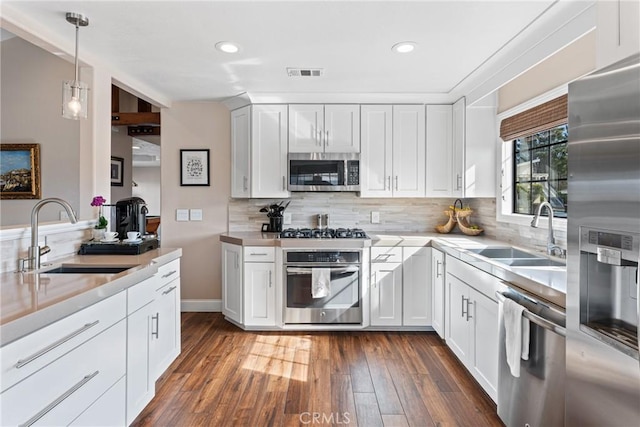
(603, 368)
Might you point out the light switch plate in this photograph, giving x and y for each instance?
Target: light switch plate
(286, 218)
(195, 214)
(182, 214)
(375, 217)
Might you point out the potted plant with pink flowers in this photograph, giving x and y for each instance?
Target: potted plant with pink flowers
(101, 224)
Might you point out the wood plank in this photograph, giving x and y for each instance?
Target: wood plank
(320, 386)
(152, 414)
(415, 410)
(343, 405)
(385, 391)
(367, 410)
(359, 367)
(395, 421)
(298, 390)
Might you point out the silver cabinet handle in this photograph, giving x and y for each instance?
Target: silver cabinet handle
(388, 182)
(55, 344)
(258, 254)
(59, 400)
(245, 182)
(237, 260)
(469, 316)
(168, 291)
(458, 182)
(284, 183)
(169, 274)
(156, 334)
(326, 137)
(270, 278)
(396, 182)
(462, 311)
(438, 264)
(383, 257)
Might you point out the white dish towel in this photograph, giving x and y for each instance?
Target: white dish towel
(320, 282)
(517, 335)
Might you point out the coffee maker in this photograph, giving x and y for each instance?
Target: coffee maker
(131, 215)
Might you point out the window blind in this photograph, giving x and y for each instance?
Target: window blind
(544, 116)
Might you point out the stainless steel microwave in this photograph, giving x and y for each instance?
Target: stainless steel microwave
(324, 172)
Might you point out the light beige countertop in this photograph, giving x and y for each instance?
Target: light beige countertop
(34, 299)
(549, 283)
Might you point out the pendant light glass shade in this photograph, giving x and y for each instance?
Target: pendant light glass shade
(74, 99)
(74, 92)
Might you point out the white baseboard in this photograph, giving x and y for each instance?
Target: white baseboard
(201, 305)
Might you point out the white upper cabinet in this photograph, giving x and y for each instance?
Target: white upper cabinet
(269, 151)
(440, 176)
(324, 128)
(259, 151)
(481, 146)
(377, 150)
(458, 158)
(392, 161)
(409, 157)
(617, 30)
(240, 143)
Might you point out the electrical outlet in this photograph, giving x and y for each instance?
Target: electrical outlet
(375, 217)
(64, 216)
(286, 218)
(182, 214)
(195, 214)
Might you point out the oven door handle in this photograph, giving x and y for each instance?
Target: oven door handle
(308, 270)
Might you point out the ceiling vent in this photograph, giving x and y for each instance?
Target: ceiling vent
(305, 72)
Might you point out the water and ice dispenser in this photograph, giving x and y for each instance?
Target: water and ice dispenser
(609, 287)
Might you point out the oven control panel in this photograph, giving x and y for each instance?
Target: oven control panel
(323, 257)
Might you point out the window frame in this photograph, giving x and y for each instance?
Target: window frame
(505, 191)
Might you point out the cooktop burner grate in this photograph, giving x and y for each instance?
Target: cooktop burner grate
(323, 233)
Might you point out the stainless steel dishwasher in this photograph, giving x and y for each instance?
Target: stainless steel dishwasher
(536, 398)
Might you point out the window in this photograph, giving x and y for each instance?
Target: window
(540, 171)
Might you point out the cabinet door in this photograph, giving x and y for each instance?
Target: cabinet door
(484, 358)
(458, 330)
(232, 282)
(167, 332)
(306, 128)
(480, 152)
(377, 151)
(140, 363)
(416, 287)
(459, 135)
(439, 151)
(259, 296)
(240, 140)
(386, 294)
(437, 283)
(409, 156)
(342, 128)
(269, 167)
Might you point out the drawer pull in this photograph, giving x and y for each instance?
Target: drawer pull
(50, 347)
(59, 400)
(258, 254)
(169, 274)
(156, 334)
(168, 291)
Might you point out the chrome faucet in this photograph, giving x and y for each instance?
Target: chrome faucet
(552, 248)
(35, 251)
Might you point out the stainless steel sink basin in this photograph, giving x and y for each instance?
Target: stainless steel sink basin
(505, 252)
(529, 262)
(82, 269)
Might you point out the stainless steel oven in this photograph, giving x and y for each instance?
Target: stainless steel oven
(341, 301)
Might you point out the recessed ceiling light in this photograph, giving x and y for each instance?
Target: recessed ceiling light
(227, 47)
(404, 47)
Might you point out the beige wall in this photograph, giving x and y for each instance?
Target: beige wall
(31, 80)
(196, 125)
(575, 60)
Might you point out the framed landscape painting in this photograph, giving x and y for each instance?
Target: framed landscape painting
(20, 171)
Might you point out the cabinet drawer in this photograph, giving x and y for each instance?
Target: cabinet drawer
(60, 392)
(386, 254)
(27, 355)
(141, 294)
(259, 254)
(167, 273)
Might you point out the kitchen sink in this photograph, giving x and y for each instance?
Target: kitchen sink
(529, 262)
(505, 252)
(83, 269)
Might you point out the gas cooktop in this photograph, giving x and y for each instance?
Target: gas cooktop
(324, 233)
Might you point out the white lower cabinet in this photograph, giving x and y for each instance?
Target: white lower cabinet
(437, 291)
(101, 412)
(472, 322)
(400, 290)
(232, 282)
(167, 326)
(259, 297)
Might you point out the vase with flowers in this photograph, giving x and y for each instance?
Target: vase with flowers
(101, 224)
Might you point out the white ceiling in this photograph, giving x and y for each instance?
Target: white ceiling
(169, 45)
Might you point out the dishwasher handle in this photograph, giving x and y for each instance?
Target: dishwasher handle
(538, 320)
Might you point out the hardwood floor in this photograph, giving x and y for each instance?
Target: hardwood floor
(229, 377)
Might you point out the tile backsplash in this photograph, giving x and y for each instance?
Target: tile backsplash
(396, 214)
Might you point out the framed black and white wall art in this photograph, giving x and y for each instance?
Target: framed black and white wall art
(194, 167)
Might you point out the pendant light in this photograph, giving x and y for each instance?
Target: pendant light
(74, 92)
